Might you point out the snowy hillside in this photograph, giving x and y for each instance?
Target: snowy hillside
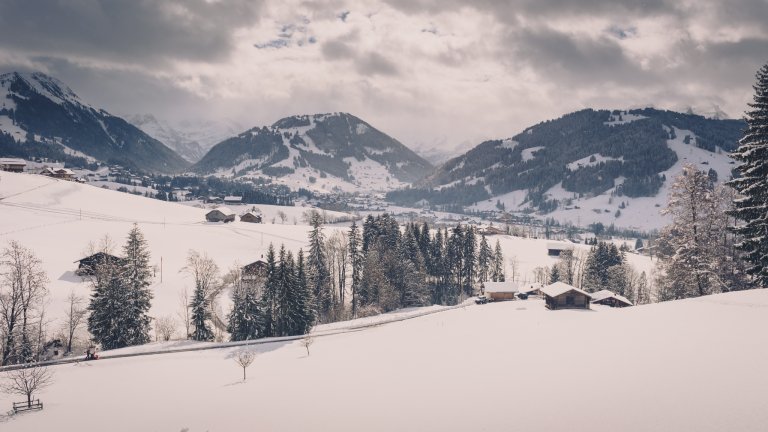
(58, 219)
(322, 152)
(41, 117)
(635, 212)
(587, 166)
(497, 367)
(190, 139)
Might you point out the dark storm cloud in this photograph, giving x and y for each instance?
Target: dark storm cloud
(573, 58)
(376, 64)
(143, 31)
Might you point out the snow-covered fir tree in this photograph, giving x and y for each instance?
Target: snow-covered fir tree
(497, 274)
(693, 249)
(121, 298)
(138, 276)
(245, 318)
(268, 301)
(484, 259)
(356, 261)
(318, 274)
(752, 206)
(200, 315)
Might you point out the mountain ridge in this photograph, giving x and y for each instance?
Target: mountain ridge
(41, 116)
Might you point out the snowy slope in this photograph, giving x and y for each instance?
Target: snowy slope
(640, 212)
(58, 219)
(692, 365)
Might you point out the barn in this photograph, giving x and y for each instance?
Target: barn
(560, 295)
(610, 298)
(12, 164)
(497, 291)
(87, 266)
(251, 217)
(556, 248)
(254, 271)
(220, 214)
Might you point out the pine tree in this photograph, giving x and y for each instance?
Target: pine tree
(470, 259)
(302, 312)
(356, 259)
(107, 307)
(484, 258)
(200, 315)
(244, 319)
(137, 275)
(318, 274)
(497, 274)
(752, 206)
(554, 275)
(268, 301)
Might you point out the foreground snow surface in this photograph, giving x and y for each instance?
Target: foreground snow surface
(692, 365)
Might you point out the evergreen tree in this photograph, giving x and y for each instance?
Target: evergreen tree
(497, 275)
(554, 275)
(268, 302)
(484, 258)
(302, 316)
(137, 275)
(318, 274)
(107, 307)
(356, 259)
(244, 319)
(752, 206)
(470, 259)
(200, 315)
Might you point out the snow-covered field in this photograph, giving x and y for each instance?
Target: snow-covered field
(692, 365)
(59, 219)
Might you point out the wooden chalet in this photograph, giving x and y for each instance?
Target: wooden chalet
(233, 199)
(254, 271)
(59, 173)
(556, 248)
(560, 295)
(610, 298)
(88, 265)
(498, 291)
(251, 217)
(12, 165)
(220, 214)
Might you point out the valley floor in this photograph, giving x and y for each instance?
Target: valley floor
(692, 365)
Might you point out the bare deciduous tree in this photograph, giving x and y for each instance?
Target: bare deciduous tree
(283, 217)
(307, 341)
(244, 358)
(27, 380)
(75, 317)
(23, 286)
(165, 328)
(184, 310)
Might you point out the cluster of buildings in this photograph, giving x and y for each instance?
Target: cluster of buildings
(223, 214)
(558, 295)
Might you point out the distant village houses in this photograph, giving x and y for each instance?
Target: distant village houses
(251, 217)
(12, 165)
(220, 214)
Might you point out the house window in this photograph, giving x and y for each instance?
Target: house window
(569, 300)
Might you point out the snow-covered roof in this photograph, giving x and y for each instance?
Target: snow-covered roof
(529, 288)
(558, 246)
(12, 161)
(224, 210)
(232, 198)
(605, 294)
(495, 287)
(558, 288)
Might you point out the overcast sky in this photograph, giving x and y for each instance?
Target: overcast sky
(428, 72)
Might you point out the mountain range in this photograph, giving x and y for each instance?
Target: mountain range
(588, 165)
(42, 117)
(322, 152)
